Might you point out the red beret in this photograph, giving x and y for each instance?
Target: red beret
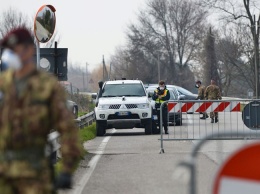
(17, 36)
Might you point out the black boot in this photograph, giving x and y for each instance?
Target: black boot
(165, 129)
(205, 116)
(216, 119)
(212, 120)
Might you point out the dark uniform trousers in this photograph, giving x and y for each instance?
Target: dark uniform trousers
(164, 115)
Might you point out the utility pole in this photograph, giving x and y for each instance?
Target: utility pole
(159, 68)
(110, 68)
(255, 29)
(83, 81)
(104, 68)
(86, 77)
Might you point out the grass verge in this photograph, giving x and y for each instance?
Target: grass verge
(87, 133)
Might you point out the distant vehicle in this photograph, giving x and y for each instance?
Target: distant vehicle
(174, 118)
(188, 95)
(149, 85)
(122, 104)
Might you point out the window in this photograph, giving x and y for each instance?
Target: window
(118, 90)
(184, 91)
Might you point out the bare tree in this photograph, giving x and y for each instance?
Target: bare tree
(241, 12)
(168, 33)
(12, 18)
(210, 64)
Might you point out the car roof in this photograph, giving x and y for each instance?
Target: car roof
(174, 86)
(167, 86)
(124, 82)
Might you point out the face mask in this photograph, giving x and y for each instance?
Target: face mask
(197, 86)
(10, 60)
(161, 88)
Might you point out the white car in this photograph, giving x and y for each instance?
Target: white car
(123, 104)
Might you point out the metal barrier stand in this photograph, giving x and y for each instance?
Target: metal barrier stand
(191, 162)
(229, 119)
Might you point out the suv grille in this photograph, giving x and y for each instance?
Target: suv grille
(130, 106)
(132, 116)
(114, 106)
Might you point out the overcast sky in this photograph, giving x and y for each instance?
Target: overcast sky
(89, 28)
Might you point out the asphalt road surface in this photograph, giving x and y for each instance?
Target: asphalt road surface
(127, 161)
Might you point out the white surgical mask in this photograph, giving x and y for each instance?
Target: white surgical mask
(197, 86)
(161, 88)
(10, 60)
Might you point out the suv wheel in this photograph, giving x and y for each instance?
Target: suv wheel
(148, 127)
(101, 129)
(155, 129)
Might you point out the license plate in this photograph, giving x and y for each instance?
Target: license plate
(123, 113)
(155, 117)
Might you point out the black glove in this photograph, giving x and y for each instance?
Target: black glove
(64, 181)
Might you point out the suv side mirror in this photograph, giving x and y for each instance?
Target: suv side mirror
(94, 96)
(150, 94)
(100, 84)
(181, 97)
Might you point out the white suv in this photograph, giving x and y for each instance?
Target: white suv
(123, 104)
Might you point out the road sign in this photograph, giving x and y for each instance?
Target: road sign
(47, 62)
(251, 115)
(240, 174)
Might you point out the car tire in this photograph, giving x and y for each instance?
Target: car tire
(148, 127)
(155, 129)
(179, 123)
(101, 129)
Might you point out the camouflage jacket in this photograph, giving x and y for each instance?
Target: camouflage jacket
(26, 120)
(212, 93)
(201, 92)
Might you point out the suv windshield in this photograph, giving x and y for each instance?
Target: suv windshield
(115, 90)
(173, 96)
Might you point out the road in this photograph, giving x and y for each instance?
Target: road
(127, 161)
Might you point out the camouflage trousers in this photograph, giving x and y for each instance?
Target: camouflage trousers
(25, 186)
(213, 114)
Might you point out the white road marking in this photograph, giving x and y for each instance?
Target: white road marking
(92, 165)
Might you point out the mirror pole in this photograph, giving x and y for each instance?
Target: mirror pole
(55, 59)
(38, 54)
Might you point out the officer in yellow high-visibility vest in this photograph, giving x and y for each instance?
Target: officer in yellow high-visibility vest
(162, 94)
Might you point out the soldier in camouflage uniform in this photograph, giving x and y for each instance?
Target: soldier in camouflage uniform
(213, 93)
(31, 104)
(201, 92)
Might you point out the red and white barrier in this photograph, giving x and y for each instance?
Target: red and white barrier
(204, 106)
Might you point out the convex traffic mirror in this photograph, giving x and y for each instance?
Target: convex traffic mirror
(44, 23)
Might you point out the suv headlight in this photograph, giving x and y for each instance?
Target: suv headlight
(103, 106)
(143, 106)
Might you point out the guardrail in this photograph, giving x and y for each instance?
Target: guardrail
(53, 138)
(85, 120)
